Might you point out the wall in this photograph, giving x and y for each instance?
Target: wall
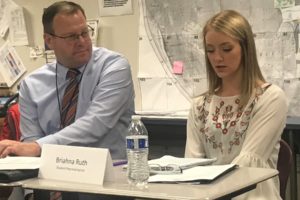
(118, 33)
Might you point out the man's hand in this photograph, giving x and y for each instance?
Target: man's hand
(12, 147)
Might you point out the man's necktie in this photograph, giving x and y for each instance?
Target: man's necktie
(69, 102)
(68, 110)
(55, 196)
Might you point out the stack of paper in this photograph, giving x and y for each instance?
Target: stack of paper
(183, 163)
(19, 162)
(199, 174)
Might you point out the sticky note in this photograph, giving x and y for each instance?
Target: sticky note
(177, 67)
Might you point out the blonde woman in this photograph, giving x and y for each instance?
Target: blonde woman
(241, 117)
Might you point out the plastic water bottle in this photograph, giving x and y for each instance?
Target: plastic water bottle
(137, 153)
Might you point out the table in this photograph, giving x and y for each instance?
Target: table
(230, 185)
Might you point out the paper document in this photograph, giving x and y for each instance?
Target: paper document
(199, 174)
(183, 163)
(19, 162)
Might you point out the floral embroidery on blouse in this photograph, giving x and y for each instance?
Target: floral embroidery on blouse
(224, 121)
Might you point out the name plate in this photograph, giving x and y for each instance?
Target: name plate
(76, 164)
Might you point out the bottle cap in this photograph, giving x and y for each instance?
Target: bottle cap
(136, 117)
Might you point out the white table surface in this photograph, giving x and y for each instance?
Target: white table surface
(233, 181)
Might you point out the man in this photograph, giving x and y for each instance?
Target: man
(105, 99)
(52, 109)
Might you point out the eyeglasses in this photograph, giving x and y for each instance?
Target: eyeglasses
(168, 169)
(87, 34)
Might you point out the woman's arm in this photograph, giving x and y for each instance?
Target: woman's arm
(193, 147)
(265, 129)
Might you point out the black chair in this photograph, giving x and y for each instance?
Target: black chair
(284, 165)
(4, 108)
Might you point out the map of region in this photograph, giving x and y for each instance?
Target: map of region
(171, 55)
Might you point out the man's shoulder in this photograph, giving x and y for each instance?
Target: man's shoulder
(45, 70)
(107, 60)
(49, 67)
(101, 53)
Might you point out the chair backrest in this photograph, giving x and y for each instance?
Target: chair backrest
(11, 124)
(284, 165)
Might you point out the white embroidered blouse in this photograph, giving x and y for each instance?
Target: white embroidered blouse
(218, 127)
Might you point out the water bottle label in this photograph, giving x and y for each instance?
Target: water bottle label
(137, 143)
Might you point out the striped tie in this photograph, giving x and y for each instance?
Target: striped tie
(69, 102)
(68, 111)
(55, 196)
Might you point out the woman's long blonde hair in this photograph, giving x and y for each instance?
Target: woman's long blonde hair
(235, 26)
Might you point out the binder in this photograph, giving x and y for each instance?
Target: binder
(8, 176)
(195, 175)
(16, 168)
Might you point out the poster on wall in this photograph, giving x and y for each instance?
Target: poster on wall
(11, 66)
(94, 24)
(17, 28)
(12, 19)
(113, 8)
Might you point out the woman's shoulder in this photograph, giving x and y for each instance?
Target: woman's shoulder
(200, 97)
(200, 100)
(272, 89)
(272, 92)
